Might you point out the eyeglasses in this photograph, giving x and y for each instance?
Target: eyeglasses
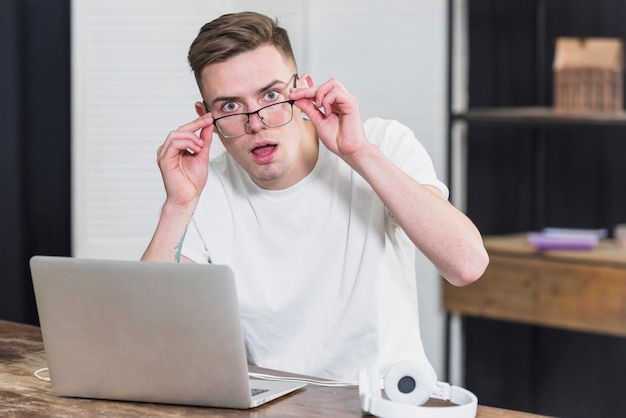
(272, 116)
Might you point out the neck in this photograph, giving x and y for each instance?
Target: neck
(311, 146)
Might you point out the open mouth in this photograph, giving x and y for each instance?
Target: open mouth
(264, 150)
(264, 153)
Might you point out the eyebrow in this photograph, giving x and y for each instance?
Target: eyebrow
(224, 99)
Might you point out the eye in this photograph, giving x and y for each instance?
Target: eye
(272, 95)
(230, 107)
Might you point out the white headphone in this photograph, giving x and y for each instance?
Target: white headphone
(408, 385)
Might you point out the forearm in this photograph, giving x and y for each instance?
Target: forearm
(443, 233)
(168, 237)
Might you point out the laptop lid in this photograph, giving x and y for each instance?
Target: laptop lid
(145, 331)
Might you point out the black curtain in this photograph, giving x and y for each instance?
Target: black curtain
(523, 178)
(35, 156)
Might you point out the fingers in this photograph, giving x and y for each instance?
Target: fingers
(185, 139)
(204, 124)
(177, 142)
(335, 114)
(330, 97)
(311, 110)
(199, 123)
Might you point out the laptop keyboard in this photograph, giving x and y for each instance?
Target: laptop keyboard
(255, 391)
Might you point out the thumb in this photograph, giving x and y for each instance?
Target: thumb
(311, 110)
(206, 135)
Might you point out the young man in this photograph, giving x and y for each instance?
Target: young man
(317, 212)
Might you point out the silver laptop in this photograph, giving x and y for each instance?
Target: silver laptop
(146, 331)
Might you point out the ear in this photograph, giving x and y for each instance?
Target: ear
(305, 80)
(201, 108)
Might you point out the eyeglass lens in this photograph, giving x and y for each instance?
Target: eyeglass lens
(272, 116)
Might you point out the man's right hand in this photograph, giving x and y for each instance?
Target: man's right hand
(184, 160)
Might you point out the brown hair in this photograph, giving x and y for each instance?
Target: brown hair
(233, 34)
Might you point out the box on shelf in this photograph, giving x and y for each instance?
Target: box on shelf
(588, 75)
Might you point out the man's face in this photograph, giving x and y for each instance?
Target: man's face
(275, 158)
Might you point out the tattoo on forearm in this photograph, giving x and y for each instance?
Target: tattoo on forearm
(179, 246)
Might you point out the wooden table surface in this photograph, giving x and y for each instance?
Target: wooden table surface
(574, 290)
(607, 253)
(22, 395)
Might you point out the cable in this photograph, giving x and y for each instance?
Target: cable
(326, 383)
(39, 376)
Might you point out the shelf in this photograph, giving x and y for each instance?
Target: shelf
(539, 116)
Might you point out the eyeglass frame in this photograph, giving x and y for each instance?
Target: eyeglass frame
(256, 112)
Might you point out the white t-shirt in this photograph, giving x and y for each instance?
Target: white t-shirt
(325, 277)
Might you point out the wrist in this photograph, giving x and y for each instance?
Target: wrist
(170, 232)
(177, 209)
(363, 158)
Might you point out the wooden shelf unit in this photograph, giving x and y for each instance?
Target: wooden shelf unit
(539, 115)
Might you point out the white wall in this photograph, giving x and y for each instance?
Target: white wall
(132, 85)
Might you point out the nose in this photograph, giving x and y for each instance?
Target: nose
(255, 122)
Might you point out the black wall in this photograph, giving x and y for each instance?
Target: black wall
(523, 178)
(35, 138)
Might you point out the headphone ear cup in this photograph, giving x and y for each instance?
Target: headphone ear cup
(409, 382)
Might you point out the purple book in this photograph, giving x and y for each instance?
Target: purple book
(543, 242)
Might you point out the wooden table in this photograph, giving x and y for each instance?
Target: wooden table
(575, 290)
(22, 395)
